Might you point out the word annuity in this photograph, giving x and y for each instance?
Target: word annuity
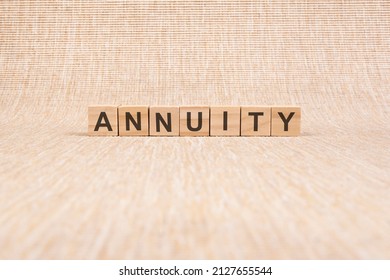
(135, 120)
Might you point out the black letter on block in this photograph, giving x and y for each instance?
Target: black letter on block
(286, 121)
(137, 124)
(159, 118)
(225, 120)
(256, 119)
(106, 123)
(199, 127)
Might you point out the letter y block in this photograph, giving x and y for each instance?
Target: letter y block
(286, 121)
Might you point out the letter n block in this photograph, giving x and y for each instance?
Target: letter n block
(103, 120)
(164, 121)
(133, 120)
(255, 121)
(225, 120)
(195, 121)
(286, 121)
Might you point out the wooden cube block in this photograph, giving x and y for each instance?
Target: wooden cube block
(286, 121)
(133, 120)
(225, 120)
(194, 121)
(164, 121)
(103, 120)
(255, 121)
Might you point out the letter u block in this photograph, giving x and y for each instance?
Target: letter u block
(164, 120)
(103, 120)
(195, 121)
(133, 120)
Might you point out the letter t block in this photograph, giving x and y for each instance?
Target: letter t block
(255, 121)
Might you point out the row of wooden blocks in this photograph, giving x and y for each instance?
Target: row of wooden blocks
(107, 120)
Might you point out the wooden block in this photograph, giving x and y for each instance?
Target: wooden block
(286, 121)
(194, 121)
(103, 120)
(255, 121)
(164, 121)
(133, 120)
(225, 121)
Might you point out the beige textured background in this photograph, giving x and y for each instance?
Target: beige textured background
(323, 195)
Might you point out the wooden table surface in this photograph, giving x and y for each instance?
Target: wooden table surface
(323, 195)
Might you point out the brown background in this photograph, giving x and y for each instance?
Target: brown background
(325, 194)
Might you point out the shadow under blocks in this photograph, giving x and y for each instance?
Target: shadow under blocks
(139, 120)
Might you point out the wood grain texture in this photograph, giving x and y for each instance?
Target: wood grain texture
(324, 194)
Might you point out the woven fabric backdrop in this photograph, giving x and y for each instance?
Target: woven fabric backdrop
(325, 194)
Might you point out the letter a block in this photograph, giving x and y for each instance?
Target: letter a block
(133, 120)
(225, 120)
(164, 120)
(286, 121)
(195, 121)
(103, 120)
(255, 121)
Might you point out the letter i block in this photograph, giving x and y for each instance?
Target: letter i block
(103, 120)
(286, 121)
(195, 121)
(133, 120)
(255, 121)
(164, 120)
(225, 120)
